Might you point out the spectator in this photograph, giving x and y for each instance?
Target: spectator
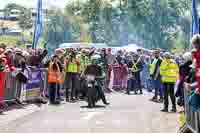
(9, 59)
(72, 67)
(156, 77)
(196, 59)
(169, 72)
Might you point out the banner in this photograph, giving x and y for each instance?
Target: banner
(34, 85)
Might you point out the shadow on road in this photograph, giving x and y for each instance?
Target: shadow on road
(97, 106)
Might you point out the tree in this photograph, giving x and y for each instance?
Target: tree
(25, 19)
(62, 28)
(158, 19)
(151, 23)
(11, 6)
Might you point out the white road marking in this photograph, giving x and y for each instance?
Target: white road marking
(90, 115)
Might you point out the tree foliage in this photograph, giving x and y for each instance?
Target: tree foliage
(150, 23)
(11, 6)
(62, 27)
(25, 19)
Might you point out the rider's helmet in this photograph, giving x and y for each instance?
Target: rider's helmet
(95, 59)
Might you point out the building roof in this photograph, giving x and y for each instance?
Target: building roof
(8, 24)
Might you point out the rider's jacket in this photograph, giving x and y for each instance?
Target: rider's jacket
(95, 70)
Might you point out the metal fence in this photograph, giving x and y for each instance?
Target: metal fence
(12, 90)
(192, 118)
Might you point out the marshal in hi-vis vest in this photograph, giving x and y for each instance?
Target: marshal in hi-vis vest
(72, 66)
(169, 71)
(135, 68)
(153, 66)
(55, 76)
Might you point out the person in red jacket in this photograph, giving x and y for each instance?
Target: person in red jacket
(196, 58)
(9, 62)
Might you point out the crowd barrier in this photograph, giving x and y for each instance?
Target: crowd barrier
(122, 78)
(36, 85)
(119, 78)
(13, 90)
(192, 118)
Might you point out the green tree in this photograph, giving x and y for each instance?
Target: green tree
(25, 19)
(62, 28)
(11, 6)
(151, 23)
(157, 20)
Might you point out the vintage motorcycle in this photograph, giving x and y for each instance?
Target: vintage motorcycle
(93, 92)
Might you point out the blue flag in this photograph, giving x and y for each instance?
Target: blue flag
(195, 19)
(38, 25)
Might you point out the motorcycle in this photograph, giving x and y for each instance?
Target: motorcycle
(93, 95)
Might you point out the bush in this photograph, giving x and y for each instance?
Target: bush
(9, 40)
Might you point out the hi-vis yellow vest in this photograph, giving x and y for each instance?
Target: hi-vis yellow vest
(84, 62)
(72, 66)
(169, 71)
(135, 68)
(153, 66)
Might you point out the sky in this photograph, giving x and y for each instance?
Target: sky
(33, 3)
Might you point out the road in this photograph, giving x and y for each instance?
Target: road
(126, 114)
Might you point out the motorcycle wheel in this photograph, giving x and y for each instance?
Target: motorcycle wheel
(91, 97)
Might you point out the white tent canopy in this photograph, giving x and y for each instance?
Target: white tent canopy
(99, 45)
(128, 48)
(74, 45)
(131, 48)
(83, 45)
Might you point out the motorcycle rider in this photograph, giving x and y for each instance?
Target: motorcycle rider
(96, 70)
(84, 62)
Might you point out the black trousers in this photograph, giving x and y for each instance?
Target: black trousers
(100, 92)
(169, 91)
(138, 81)
(83, 87)
(134, 83)
(71, 84)
(54, 92)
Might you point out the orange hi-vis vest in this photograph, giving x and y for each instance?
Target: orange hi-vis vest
(55, 76)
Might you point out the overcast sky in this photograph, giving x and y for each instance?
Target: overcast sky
(33, 3)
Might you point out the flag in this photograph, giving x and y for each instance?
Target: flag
(38, 25)
(195, 19)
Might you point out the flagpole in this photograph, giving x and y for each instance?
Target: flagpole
(38, 25)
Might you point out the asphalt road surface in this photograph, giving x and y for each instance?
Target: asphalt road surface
(126, 114)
